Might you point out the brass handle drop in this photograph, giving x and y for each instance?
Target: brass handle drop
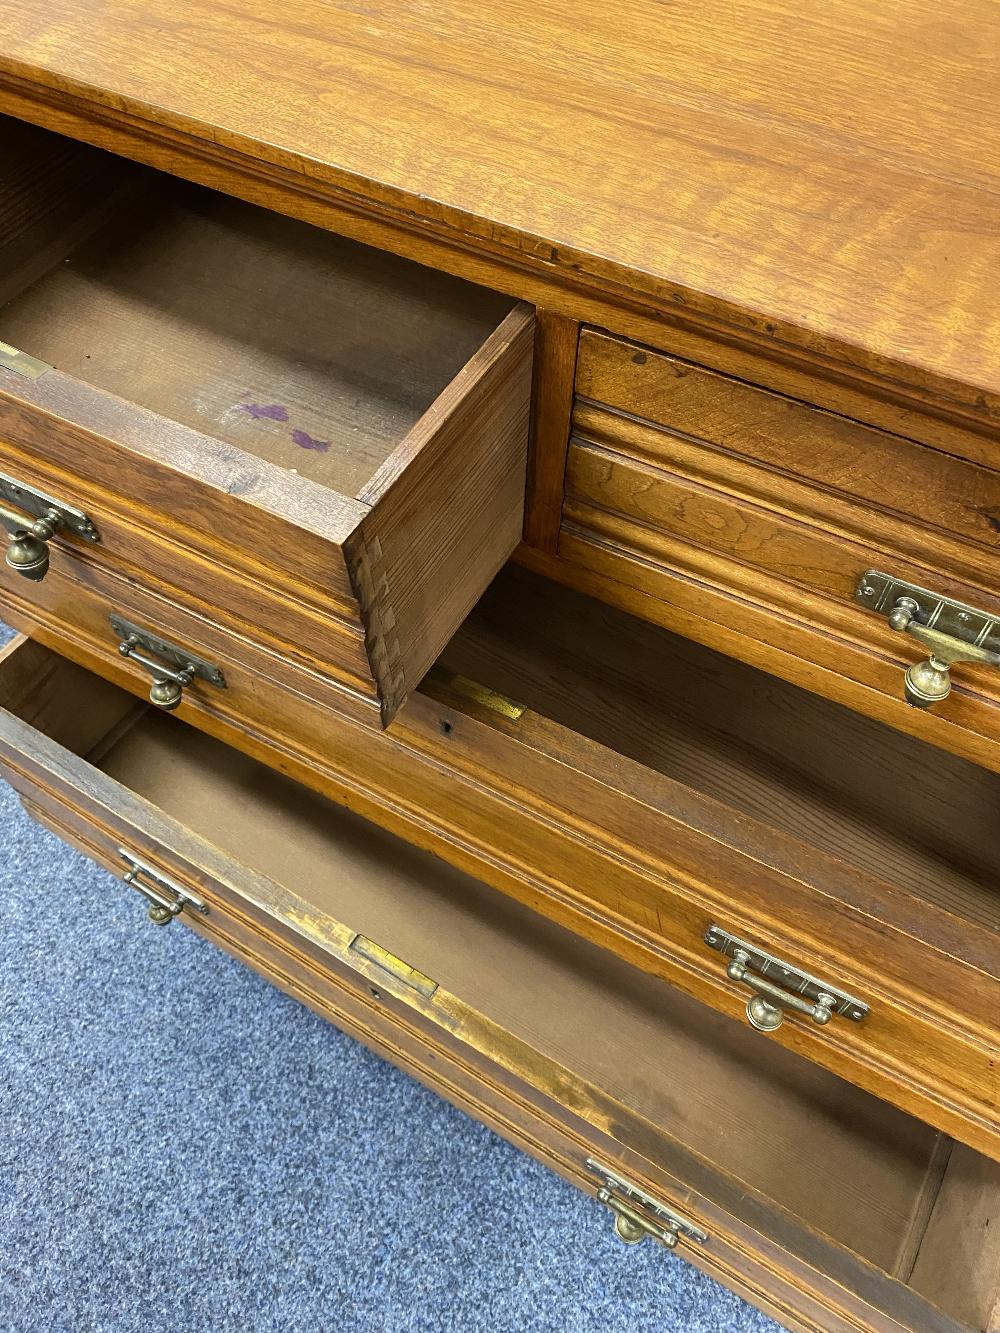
(166, 898)
(32, 518)
(929, 682)
(27, 550)
(792, 988)
(630, 1225)
(638, 1214)
(766, 1009)
(167, 689)
(161, 910)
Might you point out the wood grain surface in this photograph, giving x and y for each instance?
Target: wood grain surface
(52, 194)
(298, 347)
(821, 179)
(760, 513)
(556, 343)
(637, 859)
(242, 394)
(795, 1163)
(447, 509)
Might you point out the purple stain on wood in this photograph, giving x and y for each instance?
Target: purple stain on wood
(266, 411)
(305, 441)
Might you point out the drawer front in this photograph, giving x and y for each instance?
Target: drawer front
(634, 861)
(86, 600)
(758, 516)
(308, 435)
(807, 1280)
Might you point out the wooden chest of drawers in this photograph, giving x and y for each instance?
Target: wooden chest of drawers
(633, 848)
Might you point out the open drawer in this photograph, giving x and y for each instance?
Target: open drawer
(321, 442)
(660, 800)
(823, 1204)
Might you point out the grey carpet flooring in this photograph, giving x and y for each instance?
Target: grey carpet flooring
(186, 1149)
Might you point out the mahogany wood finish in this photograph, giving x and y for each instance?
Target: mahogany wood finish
(650, 790)
(768, 1154)
(342, 432)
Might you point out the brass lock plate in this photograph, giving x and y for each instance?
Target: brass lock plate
(479, 694)
(173, 657)
(790, 978)
(658, 1212)
(36, 504)
(880, 593)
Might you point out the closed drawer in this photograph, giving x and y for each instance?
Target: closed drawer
(747, 520)
(315, 439)
(641, 790)
(820, 1202)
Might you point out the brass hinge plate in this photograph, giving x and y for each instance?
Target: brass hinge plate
(37, 504)
(881, 592)
(180, 659)
(616, 1186)
(12, 358)
(394, 967)
(783, 974)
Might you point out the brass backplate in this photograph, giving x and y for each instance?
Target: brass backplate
(175, 657)
(658, 1211)
(36, 504)
(880, 593)
(783, 974)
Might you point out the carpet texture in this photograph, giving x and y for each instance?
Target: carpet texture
(187, 1149)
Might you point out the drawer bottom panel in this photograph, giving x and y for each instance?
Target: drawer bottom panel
(771, 1286)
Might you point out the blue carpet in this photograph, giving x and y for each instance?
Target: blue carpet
(186, 1150)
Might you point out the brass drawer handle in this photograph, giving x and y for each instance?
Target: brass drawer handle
(30, 533)
(167, 689)
(165, 896)
(631, 1227)
(172, 668)
(929, 682)
(778, 986)
(766, 1009)
(951, 630)
(27, 550)
(638, 1215)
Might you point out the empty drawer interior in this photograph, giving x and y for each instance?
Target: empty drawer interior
(310, 351)
(845, 1165)
(887, 804)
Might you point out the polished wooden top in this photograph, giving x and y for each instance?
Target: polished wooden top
(824, 176)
